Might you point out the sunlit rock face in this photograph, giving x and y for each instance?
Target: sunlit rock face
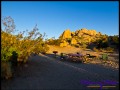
(92, 32)
(66, 34)
(64, 44)
(86, 35)
(79, 36)
(73, 41)
(84, 31)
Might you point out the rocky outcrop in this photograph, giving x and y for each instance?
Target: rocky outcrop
(73, 41)
(92, 32)
(84, 31)
(64, 44)
(66, 34)
(79, 36)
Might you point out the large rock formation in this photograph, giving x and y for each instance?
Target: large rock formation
(79, 36)
(66, 34)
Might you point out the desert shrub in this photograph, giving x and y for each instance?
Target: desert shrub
(102, 49)
(84, 46)
(77, 45)
(104, 45)
(115, 39)
(95, 49)
(109, 49)
(44, 48)
(57, 42)
(54, 42)
(102, 42)
(23, 46)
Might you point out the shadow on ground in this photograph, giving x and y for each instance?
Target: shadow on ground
(48, 72)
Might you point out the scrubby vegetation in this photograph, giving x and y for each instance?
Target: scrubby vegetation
(53, 41)
(22, 45)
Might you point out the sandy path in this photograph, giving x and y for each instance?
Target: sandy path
(45, 72)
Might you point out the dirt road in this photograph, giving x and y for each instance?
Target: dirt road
(47, 72)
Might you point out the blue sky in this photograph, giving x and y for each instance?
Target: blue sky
(53, 17)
